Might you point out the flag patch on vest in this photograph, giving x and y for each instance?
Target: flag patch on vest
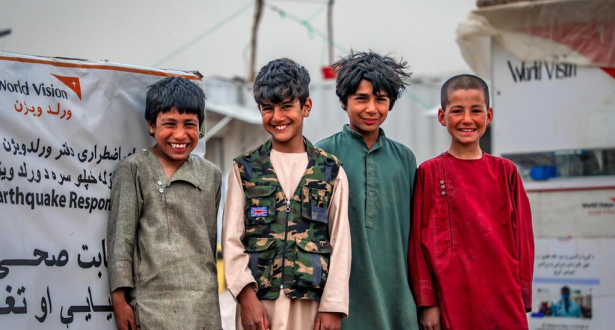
(258, 211)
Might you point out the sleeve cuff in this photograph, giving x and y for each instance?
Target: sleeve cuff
(245, 279)
(334, 307)
(120, 276)
(526, 293)
(424, 293)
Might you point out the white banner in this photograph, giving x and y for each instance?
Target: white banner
(65, 126)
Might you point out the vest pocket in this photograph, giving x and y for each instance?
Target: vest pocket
(315, 204)
(312, 265)
(262, 252)
(260, 204)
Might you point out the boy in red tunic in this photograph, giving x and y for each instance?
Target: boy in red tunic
(471, 251)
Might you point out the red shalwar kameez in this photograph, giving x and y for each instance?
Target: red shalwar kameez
(472, 247)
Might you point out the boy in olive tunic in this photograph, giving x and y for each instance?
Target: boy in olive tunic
(286, 240)
(162, 227)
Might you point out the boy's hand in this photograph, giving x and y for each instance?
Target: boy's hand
(328, 321)
(429, 318)
(124, 314)
(253, 314)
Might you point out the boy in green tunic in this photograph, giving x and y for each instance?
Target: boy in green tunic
(381, 177)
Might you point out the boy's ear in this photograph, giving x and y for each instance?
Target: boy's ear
(489, 115)
(307, 107)
(343, 106)
(441, 117)
(150, 128)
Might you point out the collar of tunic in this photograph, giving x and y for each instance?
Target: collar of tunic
(359, 138)
(187, 172)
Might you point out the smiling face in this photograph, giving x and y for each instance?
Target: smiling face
(466, 117)
(284, 122)
(367, 111)
(176, 136)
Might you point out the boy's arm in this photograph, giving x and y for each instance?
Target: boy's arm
(423, 288)
(328, 321)
(253, 314)
(429, 318)
(124, 314)
(236, 261)
(335, 295)
(122, 227)
(522, 224)
(213, 237)
(239, 278)
(121, 238)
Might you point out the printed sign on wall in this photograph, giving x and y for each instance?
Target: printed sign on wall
(573, 284)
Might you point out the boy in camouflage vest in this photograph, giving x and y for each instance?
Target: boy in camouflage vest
(285, 237)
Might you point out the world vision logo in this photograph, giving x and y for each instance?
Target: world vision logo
(70, 82)
(43, 88)
(609, 71)
(598, 208)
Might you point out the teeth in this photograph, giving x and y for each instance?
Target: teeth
(281, 127)
(467, 130)
(178, 146)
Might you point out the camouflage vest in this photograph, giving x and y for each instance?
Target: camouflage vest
(288, 240)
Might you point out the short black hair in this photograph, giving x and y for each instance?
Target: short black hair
(281, 79)
(384, 72)
(464, 82)
(174, 92)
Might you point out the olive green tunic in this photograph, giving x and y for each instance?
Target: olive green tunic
(380, 183)
(162, 241)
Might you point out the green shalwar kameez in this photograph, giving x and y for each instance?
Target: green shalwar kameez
(380, 180)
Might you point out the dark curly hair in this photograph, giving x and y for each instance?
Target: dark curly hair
(385, 74)
(279, 80)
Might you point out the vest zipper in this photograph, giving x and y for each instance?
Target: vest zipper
(287, 210)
